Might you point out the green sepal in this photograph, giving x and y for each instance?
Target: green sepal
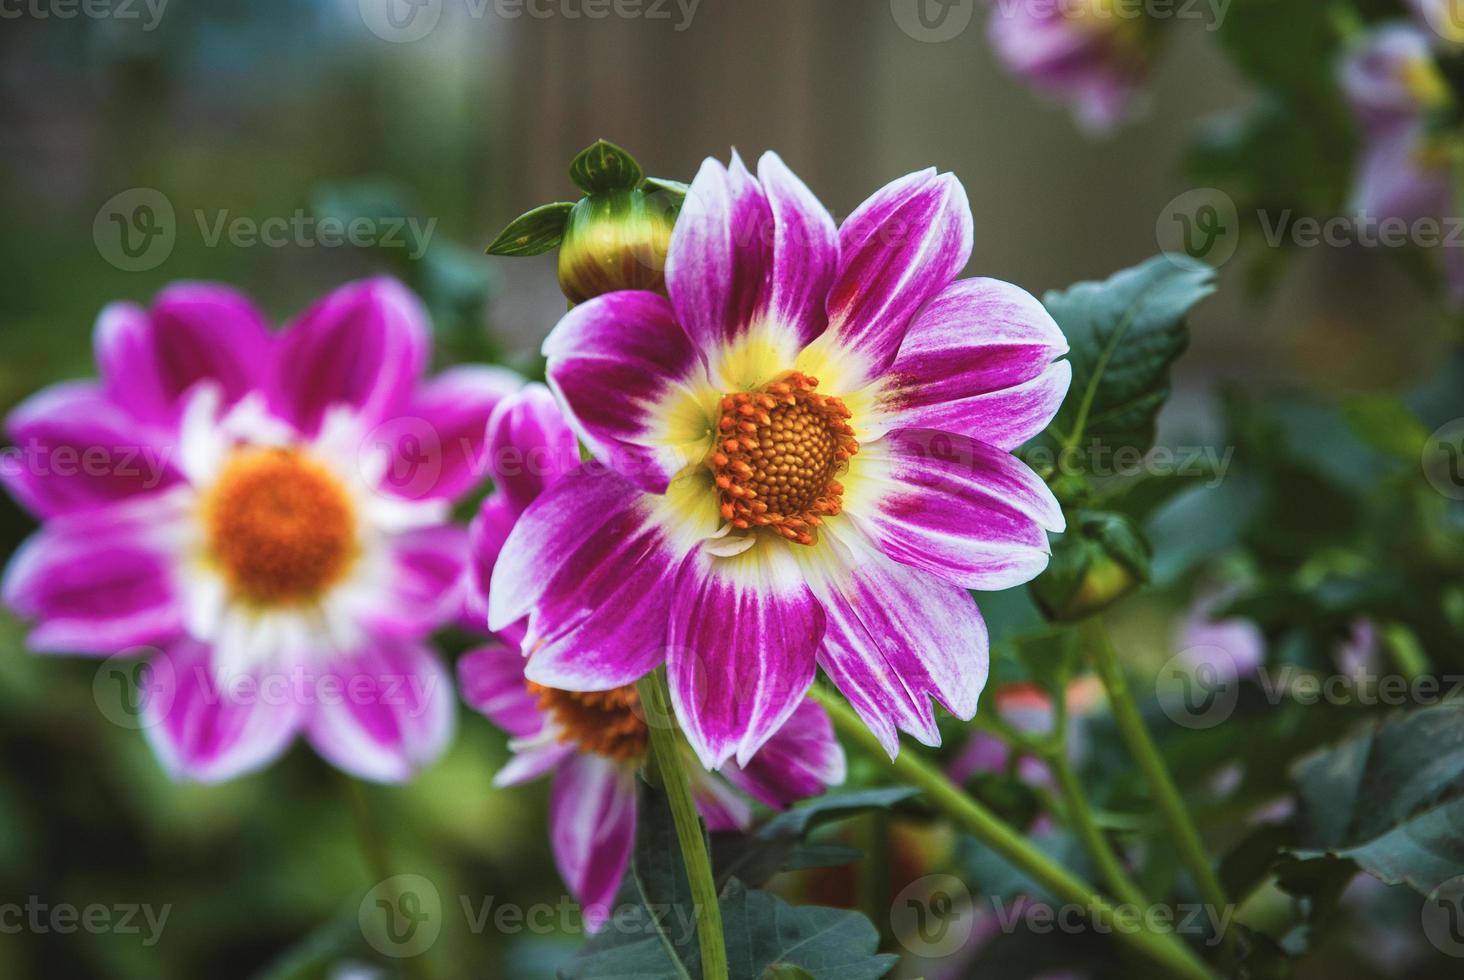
(534, 232)
(603, 166)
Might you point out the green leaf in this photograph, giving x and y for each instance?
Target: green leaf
(534, 232)
(1391, 799)
(603, 166)
(1101, 558)
(764, 932)
(674, 189)
(1125, 333)
(785, 971)
(1386, 424)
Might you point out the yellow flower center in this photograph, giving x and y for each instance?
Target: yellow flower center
(779, 452)
(280, 526)
(607, 723)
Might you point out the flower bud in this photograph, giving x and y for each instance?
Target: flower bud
(615, 240)
(1094, 565)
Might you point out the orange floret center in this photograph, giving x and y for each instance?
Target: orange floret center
(280, 526)
(607, 723)
(778, 454)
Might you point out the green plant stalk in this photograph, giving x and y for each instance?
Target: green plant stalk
(1163, 949)
(378, 864)
(1080, 818)
(1146, 753)
(666, 744)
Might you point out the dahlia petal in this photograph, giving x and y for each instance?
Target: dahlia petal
(895, 639)
(591, 564)
(149, 359)
(202, 732)
(592, 816)
(75, 450)
(384, 713)
(100, 582)
(492, 682)
(622, 364)
(804, 253)
(530, 445)
(740, 653)
(969, 363)
(439, 445)
(801, 760)
(487, 534)
(970, 513)
(1394, 183)
(718, 803)
(897, 251)
(364, 346)
(427, 585)
(718, 261)
(530, 762)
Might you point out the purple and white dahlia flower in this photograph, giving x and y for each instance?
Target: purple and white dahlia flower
(231, 502)
(802, 459)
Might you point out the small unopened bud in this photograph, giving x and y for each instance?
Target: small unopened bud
(1098, 562)
(616, 240)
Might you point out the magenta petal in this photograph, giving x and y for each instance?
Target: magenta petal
(363, 347)
(720, 806)
(1393, 182)
(589, 544)
(615, 361)
(486, 536)
(801, 760)
(972, 514)
(75, 450)
(530, 445)
(971, 361)
(718, 262)
(438, 444)
(895, 639)
(385, 713)
(194, 332)
(592, 830)
(804, 254)
(740, 656)
(492, 681)
(427, 581)
(206, 733)
(98, 583)
(897, 251)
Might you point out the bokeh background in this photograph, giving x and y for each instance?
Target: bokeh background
(259, 110)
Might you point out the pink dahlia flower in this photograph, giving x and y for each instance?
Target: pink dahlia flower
(267, 516)
(802, 459)
(595, 742)
(1088, 53)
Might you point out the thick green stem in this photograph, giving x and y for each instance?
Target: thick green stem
(378, 863)
(666, 748)
(1146, 753)
(1080, 820)
(1163, 949)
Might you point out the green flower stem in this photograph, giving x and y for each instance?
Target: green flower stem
(1080, 818)
(666, 750)
(374, 854)
(1141, 745)
(1163, 949)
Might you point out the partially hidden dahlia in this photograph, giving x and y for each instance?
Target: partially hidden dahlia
(1091, 54)
(802, 459)
(266, 516)
(594, 742)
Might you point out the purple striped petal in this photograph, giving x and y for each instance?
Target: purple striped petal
(385, 713)
(99, 583)
(150, 359)
(592, 830)
(492, 682)
(620, 363)
(720, 254)
(75, 450)
(530, 445)
(741, 649)
(202, 732)
(532, 762)
(592, 568)
(897, 251)
(801, 760)
(895, 639)
(804, 254)
(486, 536)
(972, 514)
(977, 361)
(1395, 181)
(427, 585)
(364, 347)
(438, 446)
(721, 806)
